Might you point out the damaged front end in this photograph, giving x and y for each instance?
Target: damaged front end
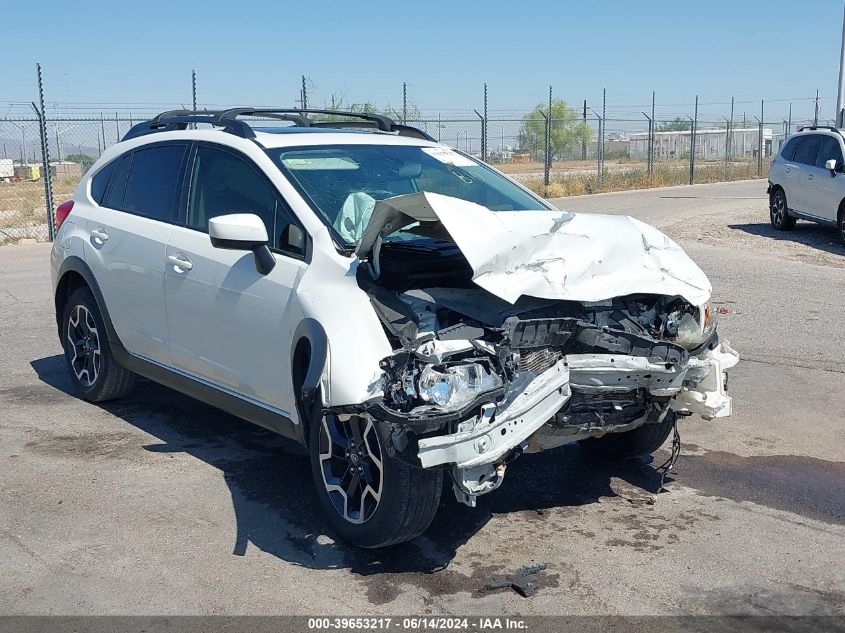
(493, 356)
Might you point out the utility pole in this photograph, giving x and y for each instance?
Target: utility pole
(816, 114)
(404, 102)
(840, 97)
(194, 89)
(303, 95)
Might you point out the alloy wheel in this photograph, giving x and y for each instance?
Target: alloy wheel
(84, 343)
(351, 465)
(778, 209)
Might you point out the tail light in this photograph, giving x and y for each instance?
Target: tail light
(62, 211)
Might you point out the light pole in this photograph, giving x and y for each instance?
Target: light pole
(59, 139)
(23, 140)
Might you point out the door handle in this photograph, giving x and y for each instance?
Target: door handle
(100, 234)
(180, 262)
(809, 176)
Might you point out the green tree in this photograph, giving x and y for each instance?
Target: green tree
(83, 159)
(568, 129)
(367, 107)
(675, 125)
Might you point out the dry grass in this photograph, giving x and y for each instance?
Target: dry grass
(23, 213)
(625, 179)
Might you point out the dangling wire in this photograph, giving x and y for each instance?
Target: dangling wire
(669, 464)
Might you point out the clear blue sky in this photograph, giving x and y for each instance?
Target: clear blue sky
(254, 53)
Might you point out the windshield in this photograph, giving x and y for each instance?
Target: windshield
(343, 182)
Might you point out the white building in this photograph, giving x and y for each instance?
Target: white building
(709, 144)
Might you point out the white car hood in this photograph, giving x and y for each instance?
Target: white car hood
(548, 254)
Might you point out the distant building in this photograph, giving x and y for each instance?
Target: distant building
(30, 171)
(65, 169)
(709, 144)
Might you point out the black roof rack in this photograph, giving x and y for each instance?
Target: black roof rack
(820, 127)
(229, 121)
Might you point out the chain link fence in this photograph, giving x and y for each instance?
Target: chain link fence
(577, 152)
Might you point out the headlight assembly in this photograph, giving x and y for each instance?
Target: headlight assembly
(694, 330)
(454, 387)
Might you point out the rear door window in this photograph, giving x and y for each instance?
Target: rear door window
(151, 188)
(829, 149)
(806, 152)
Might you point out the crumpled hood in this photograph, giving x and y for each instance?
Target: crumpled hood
(548, 254)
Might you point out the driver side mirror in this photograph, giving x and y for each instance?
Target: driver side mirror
(831, 166)
(242, 232)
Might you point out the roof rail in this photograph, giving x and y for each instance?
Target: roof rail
(820, 127)
(229, 121)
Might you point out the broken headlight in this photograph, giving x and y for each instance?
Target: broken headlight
(693, 330)
(454, 387)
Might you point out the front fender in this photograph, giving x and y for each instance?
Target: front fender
(355, 341)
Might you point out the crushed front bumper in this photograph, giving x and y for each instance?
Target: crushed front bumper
(478, 450)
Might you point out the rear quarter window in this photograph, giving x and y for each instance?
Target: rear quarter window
(100, 182)
(788, 151)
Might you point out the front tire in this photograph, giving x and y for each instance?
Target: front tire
(841, 224)
(638, 442)
(93, 369)
(370, 498)
(779, 211)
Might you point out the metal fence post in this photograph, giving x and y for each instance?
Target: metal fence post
(651, 137)
(693, 130)
(603, 131)
(484, 127)
(584, 143)
(481, 122)
(45, 155)
(547, 132)
(760, 139)
(598, 149)
(648, 147)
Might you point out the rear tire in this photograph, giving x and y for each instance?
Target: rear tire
(92, 368)
(384, 501)
(638, 442)
(779, 211)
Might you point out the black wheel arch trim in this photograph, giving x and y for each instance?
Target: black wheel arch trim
(74, 264)
(310, 329)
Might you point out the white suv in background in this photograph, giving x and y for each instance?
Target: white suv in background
(807, 180)
(407, 313)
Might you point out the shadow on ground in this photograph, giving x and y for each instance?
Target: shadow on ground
(270, 483)
(818, 236)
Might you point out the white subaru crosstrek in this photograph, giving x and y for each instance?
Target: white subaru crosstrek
(807, 180)
(404, 311)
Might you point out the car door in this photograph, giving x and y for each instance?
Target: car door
(828, 189)
(128, 239)
(804, 163)
(228, 324)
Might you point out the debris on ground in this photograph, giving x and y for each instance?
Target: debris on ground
(525, 581)
(631, 493)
